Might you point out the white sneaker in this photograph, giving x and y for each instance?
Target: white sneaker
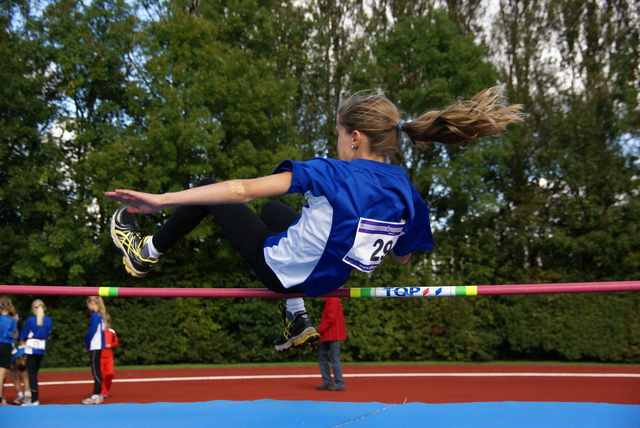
(28, 402)
(94, 399)
(18, 401)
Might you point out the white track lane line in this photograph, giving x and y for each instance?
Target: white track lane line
(307, 376)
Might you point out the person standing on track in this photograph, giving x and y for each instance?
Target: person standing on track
(106, 359)
(35, 334)
(20, 376)
(332, 330)
(360, 207)
(8, 333)
(94, 343)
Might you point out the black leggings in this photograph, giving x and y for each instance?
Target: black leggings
(94, 357)
(33, 366)
(241, 225)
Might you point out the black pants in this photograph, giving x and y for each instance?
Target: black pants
(241, 225)
(33, 367)
(94, 357)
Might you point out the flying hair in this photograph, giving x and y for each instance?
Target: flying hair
(483, 115)
(378, 118)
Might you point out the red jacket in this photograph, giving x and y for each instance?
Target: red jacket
(332, 326)
(110, 338)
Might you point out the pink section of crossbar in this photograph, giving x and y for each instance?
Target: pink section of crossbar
(574, 287)
(153, 292)
(582, 287)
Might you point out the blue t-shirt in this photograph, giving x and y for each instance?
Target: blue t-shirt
(94, 340)
(357, 212)
(38, 334)
(7, 328)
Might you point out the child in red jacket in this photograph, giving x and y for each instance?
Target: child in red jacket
(106, 359)
(332, 330)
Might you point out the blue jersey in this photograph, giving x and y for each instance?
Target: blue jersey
(357, 212)
(7, 328)
(36, 336)
(94, 340)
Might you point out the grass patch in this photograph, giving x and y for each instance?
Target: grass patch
(347, 364)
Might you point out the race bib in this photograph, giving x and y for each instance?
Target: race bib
(39, 344)
(374, 240)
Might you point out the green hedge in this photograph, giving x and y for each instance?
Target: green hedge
(577, 328)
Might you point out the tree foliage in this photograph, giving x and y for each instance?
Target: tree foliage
(158, 94)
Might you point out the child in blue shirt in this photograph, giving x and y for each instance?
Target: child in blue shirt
(20, 376)
(94, 343)
(35, 334)
(8, 333)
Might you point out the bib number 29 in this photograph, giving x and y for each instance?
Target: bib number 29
(381, 249)
(374, 240)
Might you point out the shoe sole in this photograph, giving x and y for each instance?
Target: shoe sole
(307, 337)
(125, 259)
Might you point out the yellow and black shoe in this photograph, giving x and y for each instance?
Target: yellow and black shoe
(298, 331)
(128, 236)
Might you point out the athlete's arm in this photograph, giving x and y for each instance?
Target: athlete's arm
(400, 259)
(226, 192)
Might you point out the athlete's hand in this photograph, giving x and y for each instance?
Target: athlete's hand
(139, 202)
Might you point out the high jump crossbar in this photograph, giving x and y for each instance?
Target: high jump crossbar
(431, 291)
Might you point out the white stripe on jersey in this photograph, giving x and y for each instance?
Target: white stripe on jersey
(296, 255)
(96, 339)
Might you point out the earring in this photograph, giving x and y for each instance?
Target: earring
(352, 147)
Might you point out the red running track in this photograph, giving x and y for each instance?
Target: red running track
(382, 383)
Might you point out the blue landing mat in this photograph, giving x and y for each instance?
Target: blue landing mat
(283, 414)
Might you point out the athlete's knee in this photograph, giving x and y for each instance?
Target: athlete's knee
(272, 206)
(279, 212)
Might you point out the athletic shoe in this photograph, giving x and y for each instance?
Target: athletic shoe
(28, 402)
(298, 331)
(94, 399)
(335, 387)
(3, 402)
(18, 401)
(324, 386)
(128, 236)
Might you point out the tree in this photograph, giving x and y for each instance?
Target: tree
(570, 197)
(31, 194)
(571, 176)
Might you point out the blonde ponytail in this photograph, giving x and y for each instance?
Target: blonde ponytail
(484, 114)
(38, 305)
(380, 120)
